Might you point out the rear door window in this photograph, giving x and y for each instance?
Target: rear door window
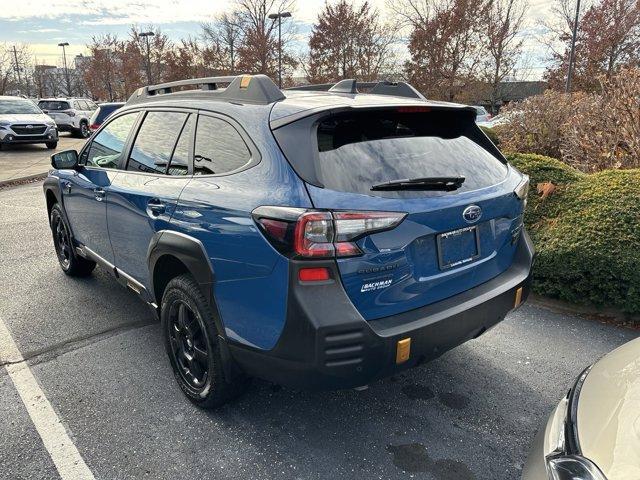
(155, 142)
(358, 150)
(219, 147)
(107, 146)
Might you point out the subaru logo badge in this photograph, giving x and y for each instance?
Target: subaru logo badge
(29, 126)
(472, 213)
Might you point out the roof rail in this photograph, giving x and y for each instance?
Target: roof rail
(351, 86)
(241, 88)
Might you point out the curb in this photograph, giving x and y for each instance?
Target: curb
(609, 315)
(22, 180)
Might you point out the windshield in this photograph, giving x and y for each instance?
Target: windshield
(18, 106)
(357, 151)
(53, 105)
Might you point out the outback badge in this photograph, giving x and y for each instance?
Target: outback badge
(472, 213)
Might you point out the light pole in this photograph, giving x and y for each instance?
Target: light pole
(15, 56)
(279, 17)
(66, 70)
(146, 36)
(572, 53)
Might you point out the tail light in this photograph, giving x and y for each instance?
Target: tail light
(522, 189)
(302, 233)
(94, 126)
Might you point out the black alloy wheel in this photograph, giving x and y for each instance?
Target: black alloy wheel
(62, 241)
(192, 341)
(71, 263)
(189, 346)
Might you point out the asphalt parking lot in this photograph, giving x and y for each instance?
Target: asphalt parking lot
(95, 351)
(23, 160)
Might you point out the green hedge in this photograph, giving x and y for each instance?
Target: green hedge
(587, 233)
(493, 136)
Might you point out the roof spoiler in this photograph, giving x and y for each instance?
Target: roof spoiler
(242, 88)
(351, 86)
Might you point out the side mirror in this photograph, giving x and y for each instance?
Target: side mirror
(64, 160)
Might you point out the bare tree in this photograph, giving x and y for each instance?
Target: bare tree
(445, 43)
(503, 24)
(159, 46)
(608, 39)
(258, 50)
(349, 42)
(222, 38)
(6, 70)
(15, 69)
(102, 72)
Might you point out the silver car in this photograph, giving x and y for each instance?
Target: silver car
(481, 114)
(21, 121)
(71, 114)
(594, 433)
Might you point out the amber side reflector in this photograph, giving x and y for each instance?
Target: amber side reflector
(403, 350)
(244, 81)
(518, 297)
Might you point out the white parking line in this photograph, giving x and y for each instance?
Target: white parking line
(61, 449)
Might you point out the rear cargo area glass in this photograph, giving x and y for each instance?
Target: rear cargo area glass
(358, 150)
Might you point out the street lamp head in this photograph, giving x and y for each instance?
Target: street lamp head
(274, 16)
(147, 34)
(63, 44)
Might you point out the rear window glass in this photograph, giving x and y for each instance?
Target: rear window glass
(104, 111)
(357, 151)
(53, 105)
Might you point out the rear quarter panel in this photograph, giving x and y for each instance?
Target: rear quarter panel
(250, 276)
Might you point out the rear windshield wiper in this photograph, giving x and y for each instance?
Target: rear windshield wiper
(446, 184)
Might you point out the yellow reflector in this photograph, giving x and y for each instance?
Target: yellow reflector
(244, 81)
(403, 350)
(518, 297)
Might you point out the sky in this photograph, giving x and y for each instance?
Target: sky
(44, 23)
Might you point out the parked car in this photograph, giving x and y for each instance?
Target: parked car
(481, 114)
(70, 114)
(21, 121)
(502, 119)
(101, 113)
(593, 434)
(320, 240)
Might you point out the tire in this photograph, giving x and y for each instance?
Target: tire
(51, 145)
(191, 342)
(83, 131)
(71, 264)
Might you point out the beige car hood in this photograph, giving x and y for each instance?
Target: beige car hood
(608, 418)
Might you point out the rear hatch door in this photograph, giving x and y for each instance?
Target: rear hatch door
(452, 239)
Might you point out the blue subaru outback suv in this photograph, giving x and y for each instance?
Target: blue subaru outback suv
(316, 237)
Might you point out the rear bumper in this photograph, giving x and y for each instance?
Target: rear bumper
(326, 344)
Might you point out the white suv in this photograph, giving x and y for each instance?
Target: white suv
(70, 114)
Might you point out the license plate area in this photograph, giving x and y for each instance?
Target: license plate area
(458, 247)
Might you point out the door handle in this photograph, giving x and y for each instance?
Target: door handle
(99, 194)
(155, 207)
